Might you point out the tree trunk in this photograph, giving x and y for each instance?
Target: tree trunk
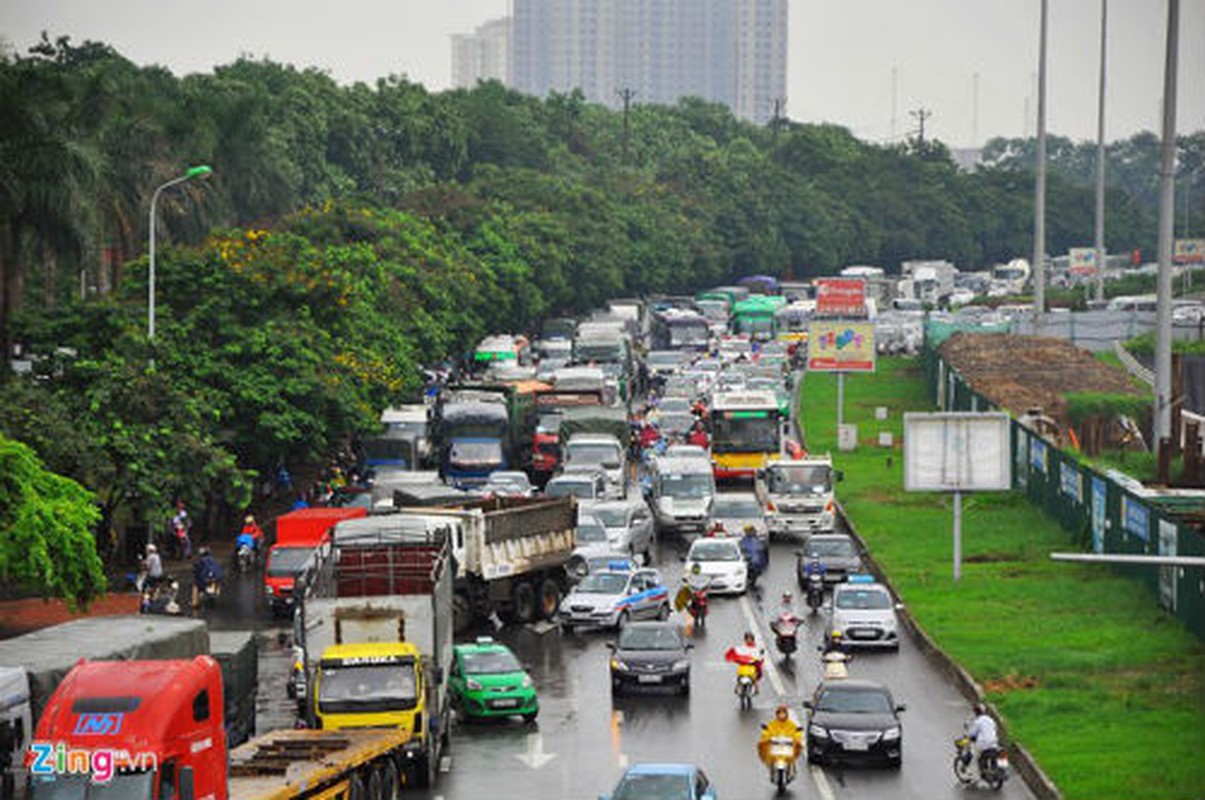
(8, 289)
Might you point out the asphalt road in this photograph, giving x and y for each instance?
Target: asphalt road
(583, 739)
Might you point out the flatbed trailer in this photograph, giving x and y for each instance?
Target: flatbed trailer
(317, 765)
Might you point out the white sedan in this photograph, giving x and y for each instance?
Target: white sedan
(720, 560)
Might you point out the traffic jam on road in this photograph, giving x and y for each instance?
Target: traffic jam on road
(595, 562)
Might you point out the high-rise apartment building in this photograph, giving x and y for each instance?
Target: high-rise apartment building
(482, 55)
(728, 51)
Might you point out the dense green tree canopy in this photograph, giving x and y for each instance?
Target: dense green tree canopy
(350, 235)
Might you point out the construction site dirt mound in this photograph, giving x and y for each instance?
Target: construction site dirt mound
(1020, 373)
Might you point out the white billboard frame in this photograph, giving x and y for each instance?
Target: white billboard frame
(957, 451)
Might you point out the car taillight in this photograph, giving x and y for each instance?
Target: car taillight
(770, 506)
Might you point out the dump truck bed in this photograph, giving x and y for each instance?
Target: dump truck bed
(293, 763)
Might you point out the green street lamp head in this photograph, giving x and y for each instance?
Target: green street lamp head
(200, 171)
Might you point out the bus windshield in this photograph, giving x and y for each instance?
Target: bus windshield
(745, 432)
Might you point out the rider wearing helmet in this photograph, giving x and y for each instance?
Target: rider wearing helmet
(755, 552)
(252, 529)
(815, 566)
(204, 571)
(982, 731)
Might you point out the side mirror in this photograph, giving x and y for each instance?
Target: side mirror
(807, 704)
(609, 645)
(185, 790)
(901, 707)
(899, 606)
(682, 559)
(690, 645)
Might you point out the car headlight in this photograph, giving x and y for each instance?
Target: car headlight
(473, 685)
(681, 665)
(891, 734)
(527, 682)
(819, 731)
(618, 666)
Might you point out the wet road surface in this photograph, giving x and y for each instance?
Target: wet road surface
(584, 739)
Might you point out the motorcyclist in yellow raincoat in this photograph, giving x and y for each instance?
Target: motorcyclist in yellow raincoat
(781, 725)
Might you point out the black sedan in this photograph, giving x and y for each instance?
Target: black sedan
(650, 654)
(856, 721)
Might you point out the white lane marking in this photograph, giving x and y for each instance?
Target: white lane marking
(821, 780)
(768, 667)
(818, 776)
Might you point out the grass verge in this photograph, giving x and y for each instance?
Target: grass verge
(1104, 689)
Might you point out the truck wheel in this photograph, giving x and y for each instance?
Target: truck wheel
(524, 600)
(422, 772)
(355, 788)
(462, 612)
(375, 786)
(550, 598)
(391, 786)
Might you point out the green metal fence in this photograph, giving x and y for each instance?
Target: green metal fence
(1104, 512)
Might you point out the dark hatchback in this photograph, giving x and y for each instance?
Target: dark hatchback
(836, 551)
(855, 721)
(650, 654)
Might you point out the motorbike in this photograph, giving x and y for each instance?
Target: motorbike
(785, 630)
(835, 665)
(756, 560)
(992, 768)
(696, 606)
(244, 554)
(161, 599)
(746, 684)
(211, 591)
(815, 592)
(781, 754)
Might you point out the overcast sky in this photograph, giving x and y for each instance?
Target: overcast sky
(842, 54)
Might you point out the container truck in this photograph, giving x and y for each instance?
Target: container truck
(510, 555)
(157, 729)
(485, 427)
(373, 637)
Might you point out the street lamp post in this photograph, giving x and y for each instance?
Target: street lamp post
(200, 171)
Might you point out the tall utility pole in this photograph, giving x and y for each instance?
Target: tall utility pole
(1167, 210)
(626, 95)
(921, 115)
(1039, 202)
(776, 120)
(894, 97)
(1100, 159)
(975, 111)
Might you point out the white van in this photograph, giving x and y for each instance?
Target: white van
(683, 494)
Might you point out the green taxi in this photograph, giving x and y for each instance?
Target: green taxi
(488, 681)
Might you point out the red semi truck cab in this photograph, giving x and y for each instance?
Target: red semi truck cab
(144, 729)
(298, 534)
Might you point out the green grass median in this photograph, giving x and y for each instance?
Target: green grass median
(1103, 688)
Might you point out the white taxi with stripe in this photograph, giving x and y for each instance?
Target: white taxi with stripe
(609, 597)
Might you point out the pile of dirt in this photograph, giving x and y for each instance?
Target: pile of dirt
(1022, 372)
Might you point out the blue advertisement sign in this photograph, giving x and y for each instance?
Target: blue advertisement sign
(1069, 481)
(1137, 518)
(1099, 513)
(1037, 454)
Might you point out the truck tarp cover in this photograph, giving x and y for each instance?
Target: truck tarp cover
(50, 653)
(488, 414)
(237, 652)
(595, 419)
(305, 526)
